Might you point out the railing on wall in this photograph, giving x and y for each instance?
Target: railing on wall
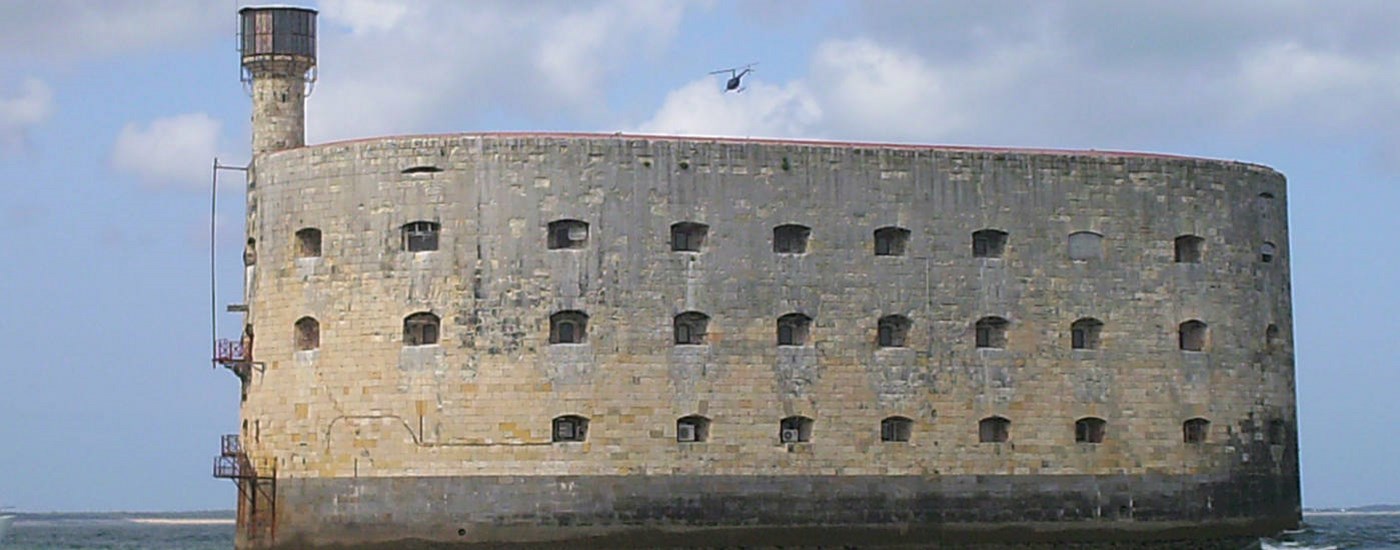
(230, 351)
(234, 356)
(233, 463)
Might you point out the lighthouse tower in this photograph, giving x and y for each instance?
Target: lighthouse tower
(278, 45)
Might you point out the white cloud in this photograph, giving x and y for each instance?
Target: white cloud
(393, 66)
(61, 29)
(1326, 87)
(874, 91)
(174, 151)
(367, 16)
(32, 105)
(571, 58)
(1078, 74)
(854, 89)
(763, 110)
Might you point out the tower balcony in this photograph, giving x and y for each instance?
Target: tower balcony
(234, 356)
(233, 463)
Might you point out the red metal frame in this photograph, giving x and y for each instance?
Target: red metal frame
(230, 352)
(236, 356)
(229, 445)
(233, 463)
(257, 482)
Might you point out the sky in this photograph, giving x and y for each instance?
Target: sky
(111, 112)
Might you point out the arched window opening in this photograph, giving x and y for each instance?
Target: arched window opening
(891, 241)
(309, 242)
(421, 329)
(688, 236)
(893, 331)
(308, 334)
(991, 332)
(568, 327)
(570, 428)
(692, 429)
(1264, 204)
(1084, 333)
(793, 329)
(791, 239)
(1085, 245)
(1089, 430)
(896, 429)
(988, 243)
(420, 236)
(1189, 249)
(1195, 430)
(1192, 335)
(994, 429)
(1278, 432)
(1267, 252)
(1271, 336)
(567, 234)
(795, 429)
(690, 328)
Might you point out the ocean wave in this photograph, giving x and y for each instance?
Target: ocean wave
(1289, 545)
(1326, 513)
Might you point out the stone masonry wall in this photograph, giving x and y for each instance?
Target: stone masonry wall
(480, 403)
(279, 102)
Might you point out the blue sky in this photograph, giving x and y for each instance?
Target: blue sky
(111, 111)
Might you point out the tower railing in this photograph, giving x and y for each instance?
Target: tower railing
(230, 445)
(233, 463)
(229, 351)
(235, 356)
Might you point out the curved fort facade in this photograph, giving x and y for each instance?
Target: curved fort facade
(577, 340)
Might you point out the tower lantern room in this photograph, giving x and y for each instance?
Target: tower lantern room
(278, 48)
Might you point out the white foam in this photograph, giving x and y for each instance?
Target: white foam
(1289, 545)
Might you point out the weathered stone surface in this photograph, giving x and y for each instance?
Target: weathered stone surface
(459, 434)
(717, 511)
(279, 104)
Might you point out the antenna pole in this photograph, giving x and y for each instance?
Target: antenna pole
(213, 277)
(213, 254)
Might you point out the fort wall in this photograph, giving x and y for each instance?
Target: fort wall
(375, 440)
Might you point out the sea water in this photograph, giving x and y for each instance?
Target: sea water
(60, 531)
(1344, 531)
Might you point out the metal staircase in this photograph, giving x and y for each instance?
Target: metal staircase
(257, 489)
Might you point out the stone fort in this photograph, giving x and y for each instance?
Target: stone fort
(552, 340)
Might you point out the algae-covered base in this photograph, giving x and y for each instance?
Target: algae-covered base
(606, 512)
(718, 541)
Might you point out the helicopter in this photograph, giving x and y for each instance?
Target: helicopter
(735, 76)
